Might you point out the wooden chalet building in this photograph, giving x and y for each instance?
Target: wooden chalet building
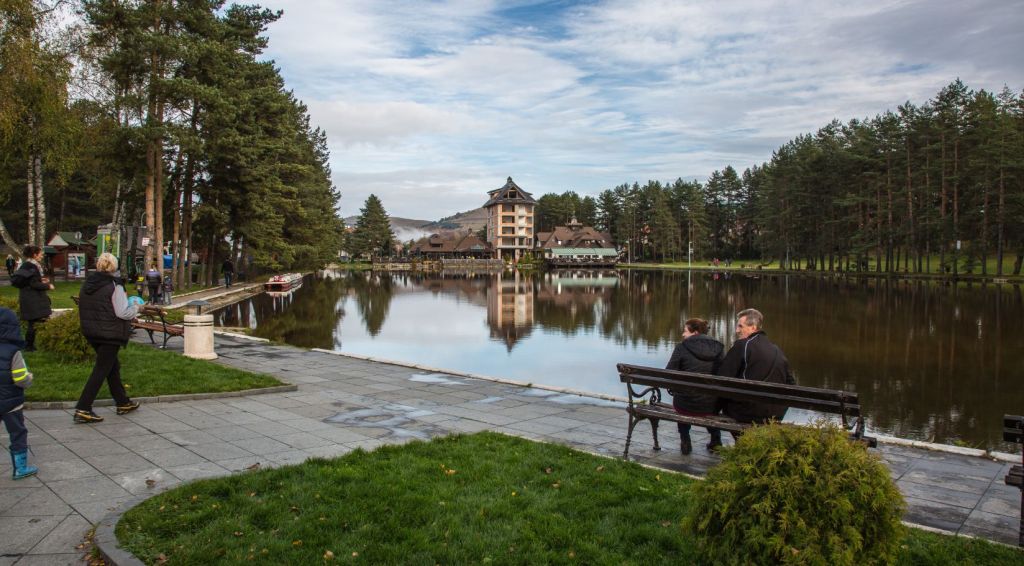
(462, 245)
(576, 245)
(510, 221)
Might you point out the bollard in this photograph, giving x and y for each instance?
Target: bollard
(199, 332)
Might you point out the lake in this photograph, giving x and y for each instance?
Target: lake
(930, 361)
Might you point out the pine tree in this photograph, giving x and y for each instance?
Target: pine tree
(372, 235)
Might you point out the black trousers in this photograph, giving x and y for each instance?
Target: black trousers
(108, 369)
(15, 423)
(30, 334)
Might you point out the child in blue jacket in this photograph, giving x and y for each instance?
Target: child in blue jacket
(14, 379)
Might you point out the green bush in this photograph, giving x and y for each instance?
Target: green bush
(62, 335)
(797, 495)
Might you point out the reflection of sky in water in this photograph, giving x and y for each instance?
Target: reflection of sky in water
(426, 330)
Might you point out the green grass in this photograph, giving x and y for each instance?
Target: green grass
(146, 372)
(60, 297)
(477, 499)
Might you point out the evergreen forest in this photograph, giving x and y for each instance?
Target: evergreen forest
(160, 114)
(936, 187)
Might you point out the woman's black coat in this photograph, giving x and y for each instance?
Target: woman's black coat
(697, 354)
(33, 302)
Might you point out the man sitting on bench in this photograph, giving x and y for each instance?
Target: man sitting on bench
(753, 356)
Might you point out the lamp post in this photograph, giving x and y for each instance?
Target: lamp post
(199, 331)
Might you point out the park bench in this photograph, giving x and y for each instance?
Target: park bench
(1013, 431)
(644, 385)
(153, 319)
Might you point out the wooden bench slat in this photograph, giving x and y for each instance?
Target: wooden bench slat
(850, 409)
(689, 377)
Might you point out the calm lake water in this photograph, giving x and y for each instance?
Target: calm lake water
(930, 361)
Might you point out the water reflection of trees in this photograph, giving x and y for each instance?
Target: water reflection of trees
(305, 317)
(927, 360)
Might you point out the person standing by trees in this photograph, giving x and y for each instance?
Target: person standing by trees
(154, 282)
(106, 317)
(33, 302)
(229, 272)
(9, 264)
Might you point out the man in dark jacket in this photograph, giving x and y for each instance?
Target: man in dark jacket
(753, 356)
(33, 302)
(697, 353)
(106, 317)
(228, 268)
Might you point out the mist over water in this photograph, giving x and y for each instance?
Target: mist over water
(930, 361)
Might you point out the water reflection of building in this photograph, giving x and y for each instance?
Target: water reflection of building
(510, 307)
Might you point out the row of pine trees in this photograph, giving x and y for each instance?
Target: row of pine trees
(160, 114)
(935, 187)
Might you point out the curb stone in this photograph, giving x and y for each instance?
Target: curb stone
(105, 538)
(168, 398)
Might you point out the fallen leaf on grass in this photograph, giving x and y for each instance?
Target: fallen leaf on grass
(150, 483)
(328, 555)
(255, 466)
(296, 543)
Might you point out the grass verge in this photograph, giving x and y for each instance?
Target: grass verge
(146, 372)
(484, 498)
(60, 297)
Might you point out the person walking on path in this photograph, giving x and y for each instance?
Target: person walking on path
(753, 356)
(9, 263)
(106, 317)
(33, 302)
(153, 282)
(697, 353)
(14, 380)
(229, 272)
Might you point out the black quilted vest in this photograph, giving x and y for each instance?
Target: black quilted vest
(96, 311)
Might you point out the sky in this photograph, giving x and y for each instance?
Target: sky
(430, 104)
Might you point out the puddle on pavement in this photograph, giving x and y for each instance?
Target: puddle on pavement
(489, 400)
(438, 378)
(393, 417)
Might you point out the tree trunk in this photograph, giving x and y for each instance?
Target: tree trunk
(942, 209)
(911, 240)
(956, 203)
(999, 220)
(30, 191)
(984, 229)
(9, 240)
(176, 185)
(40, 201)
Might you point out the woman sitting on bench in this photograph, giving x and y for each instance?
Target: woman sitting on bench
(697, 353)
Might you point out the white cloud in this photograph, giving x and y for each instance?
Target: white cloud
(430, 104)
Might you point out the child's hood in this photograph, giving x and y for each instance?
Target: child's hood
(10, 328)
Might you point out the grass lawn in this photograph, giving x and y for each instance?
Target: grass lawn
(484, 498)
(146, 372)
(60, 297)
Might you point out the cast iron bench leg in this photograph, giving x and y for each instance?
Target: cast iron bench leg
(629, 434)
(654, 431)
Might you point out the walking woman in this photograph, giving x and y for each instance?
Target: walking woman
(106, 319)
(33, 302)
(697, 353)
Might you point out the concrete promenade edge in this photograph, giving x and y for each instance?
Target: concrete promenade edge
(342, 403)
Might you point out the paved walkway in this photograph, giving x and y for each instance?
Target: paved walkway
(346, 403)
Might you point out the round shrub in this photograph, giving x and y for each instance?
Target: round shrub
(62, 335)
(797, 495)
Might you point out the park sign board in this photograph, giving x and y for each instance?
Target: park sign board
(108, 240)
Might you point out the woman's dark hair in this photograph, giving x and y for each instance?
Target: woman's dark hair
(697, 325)
(31, 251)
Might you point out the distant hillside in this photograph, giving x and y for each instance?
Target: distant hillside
(472, 219)
(406, 229)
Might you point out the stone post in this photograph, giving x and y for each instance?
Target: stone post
(199, 332)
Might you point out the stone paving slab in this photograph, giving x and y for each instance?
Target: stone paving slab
(87, 470)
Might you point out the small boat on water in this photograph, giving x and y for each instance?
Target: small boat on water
(284, 282)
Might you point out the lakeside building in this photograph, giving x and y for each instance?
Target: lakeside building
(510, 303)
(510, 221)
(576, 245)
(464, 245)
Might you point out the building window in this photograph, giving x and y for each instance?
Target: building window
(529, 220)
(508, 229)
(529, 231)
(508, 219)
(508, 241)
(508, 208)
